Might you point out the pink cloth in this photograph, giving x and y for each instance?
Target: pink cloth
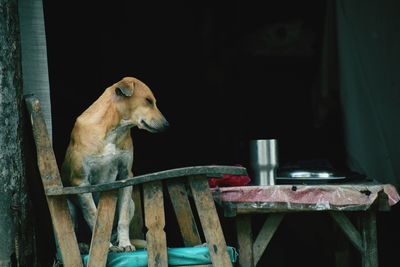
(320, 197)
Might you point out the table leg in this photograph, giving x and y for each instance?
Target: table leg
(244, 235)
(369, 237)
(265, 235)
(249, 252)
(348, 229)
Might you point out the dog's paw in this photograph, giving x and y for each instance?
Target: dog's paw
(126, 245)
(129, 248)
(123, 247)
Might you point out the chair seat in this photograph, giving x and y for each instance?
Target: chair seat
(176, 256)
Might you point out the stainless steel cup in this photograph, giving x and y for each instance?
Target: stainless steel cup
(264, 161)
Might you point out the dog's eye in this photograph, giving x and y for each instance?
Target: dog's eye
(149, 101)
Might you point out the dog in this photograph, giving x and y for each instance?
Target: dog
(101, 150)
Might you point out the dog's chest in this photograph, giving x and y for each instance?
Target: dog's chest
(111, 164)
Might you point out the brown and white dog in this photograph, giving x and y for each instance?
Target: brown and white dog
(101, 149)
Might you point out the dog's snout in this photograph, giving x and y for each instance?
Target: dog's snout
(155, 126)
(165, 125)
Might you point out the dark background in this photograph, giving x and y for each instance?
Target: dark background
(215, 91)
(203, 62)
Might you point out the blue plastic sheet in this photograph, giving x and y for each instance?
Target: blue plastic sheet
(176, 257)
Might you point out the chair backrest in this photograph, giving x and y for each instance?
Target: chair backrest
(177, 182)
(50, 175)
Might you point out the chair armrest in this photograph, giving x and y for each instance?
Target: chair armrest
(210, 171)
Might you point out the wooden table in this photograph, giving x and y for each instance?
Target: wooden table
(336, 200)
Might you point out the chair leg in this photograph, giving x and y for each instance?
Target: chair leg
(210, 221)
(64, 230)
(102, 230)
(155, 223)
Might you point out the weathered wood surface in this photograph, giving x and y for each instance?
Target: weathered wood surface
(155, 222)
(348, 229)
(50, 175)
(265, 235)
(209, 221)
(100, 244)
(244, 235)
(184, 214)
(211, 171)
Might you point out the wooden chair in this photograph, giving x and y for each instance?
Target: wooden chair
(177, 182)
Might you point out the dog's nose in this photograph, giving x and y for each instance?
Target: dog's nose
(165, 125)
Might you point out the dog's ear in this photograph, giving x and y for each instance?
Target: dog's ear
(125, 89)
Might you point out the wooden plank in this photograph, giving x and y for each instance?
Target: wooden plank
(155, 223)
(211, 171)
(265, 235)
(100, 244)
(369, 256)
(210, 221)
(183, 211)
(348, 229)
(61, 218)
(136, 225)
(46, 159)
(275, 207)
(244, 235)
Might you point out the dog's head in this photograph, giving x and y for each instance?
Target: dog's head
(137, 104)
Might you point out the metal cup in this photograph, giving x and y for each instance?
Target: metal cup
(264, 161)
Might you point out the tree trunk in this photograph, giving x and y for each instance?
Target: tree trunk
(12, 173)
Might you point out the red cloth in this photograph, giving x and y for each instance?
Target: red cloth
(229, 180)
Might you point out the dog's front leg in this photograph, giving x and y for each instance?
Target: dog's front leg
(89, 209)
(126, 209)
